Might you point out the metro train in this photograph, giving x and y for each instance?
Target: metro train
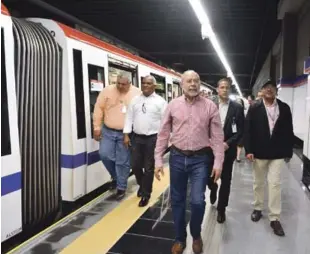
(51, 75)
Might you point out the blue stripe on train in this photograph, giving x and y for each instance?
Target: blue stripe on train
(11, 183)
(75, 161)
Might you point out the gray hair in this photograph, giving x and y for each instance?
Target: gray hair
(152, 78)
(187, 72)
(124, 75)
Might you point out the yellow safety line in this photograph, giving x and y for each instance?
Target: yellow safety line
(103, 235)
(56, 223)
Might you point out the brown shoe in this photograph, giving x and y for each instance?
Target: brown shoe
(197, 246)
(177, 248)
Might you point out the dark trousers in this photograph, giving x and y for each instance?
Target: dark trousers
(224, 192)
(143, 162)
(183, 169)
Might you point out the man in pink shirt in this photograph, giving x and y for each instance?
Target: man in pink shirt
(195, 125)
(268, 141)
(109, 117)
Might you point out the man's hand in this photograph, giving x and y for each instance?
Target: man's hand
(127, 141)
(250, 157)
(159, 171)
(226, 146)
(216, 173)
(97, 135)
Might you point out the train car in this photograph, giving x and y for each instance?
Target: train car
(54, 74)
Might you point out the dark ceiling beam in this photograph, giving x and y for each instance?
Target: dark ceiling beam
(183, 53)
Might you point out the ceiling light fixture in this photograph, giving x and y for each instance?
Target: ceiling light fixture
(207, 32)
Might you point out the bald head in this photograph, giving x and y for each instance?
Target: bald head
(190, 82)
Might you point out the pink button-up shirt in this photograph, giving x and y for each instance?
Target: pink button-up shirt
(272, 114)
(193, 126)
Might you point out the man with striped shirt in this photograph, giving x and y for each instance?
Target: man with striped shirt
(195, 125)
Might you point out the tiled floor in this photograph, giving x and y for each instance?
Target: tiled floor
(153, 233)
(239, 235)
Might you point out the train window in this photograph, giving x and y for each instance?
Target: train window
(5, 125)
(79, 93)
(96, 84)
(161, 85)
(115, 69)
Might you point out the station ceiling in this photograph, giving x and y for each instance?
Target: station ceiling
(167, 31)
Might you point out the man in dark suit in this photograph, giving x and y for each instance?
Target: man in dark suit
(232, 119)
(268, 141)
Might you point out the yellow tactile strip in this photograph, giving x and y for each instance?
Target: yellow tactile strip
(103, 235)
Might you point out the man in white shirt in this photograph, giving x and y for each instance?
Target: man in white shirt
(143, 120)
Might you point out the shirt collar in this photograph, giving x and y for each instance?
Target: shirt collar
(275, 103)
(197, 98)
(223, 103)
(151, 95)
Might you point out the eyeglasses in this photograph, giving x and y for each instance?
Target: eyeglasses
(143, 108)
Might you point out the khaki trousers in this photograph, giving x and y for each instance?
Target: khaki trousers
(273, 170)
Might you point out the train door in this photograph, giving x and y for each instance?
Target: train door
(95, 73)
(11, 175)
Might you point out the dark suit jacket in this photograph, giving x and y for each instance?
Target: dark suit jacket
(235, 115)
(257, 138)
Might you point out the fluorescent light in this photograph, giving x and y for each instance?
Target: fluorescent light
(207, 32)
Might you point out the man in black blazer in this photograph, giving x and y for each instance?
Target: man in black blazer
(232, 118)
(268, 141)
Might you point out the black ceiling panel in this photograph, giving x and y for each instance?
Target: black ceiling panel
(168, 30)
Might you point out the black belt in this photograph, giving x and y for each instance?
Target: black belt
(112, 129)
(145, 136)
(202, 151)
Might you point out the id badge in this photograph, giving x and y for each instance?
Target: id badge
(234, 128)
(124, 109)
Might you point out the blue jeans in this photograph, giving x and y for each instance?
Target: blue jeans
(182, 168)
(115, 156)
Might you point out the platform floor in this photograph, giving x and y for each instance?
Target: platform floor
(106, 226)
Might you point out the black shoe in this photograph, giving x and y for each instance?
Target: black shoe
(238, 160)
(277, 228)
(213, 194)
(112, 185)
(120, 194)
(256, 215)
(144, 201)
(221, 217)
(139, 193)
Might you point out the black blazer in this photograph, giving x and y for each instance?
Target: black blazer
(235, 115)
(257, 138)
